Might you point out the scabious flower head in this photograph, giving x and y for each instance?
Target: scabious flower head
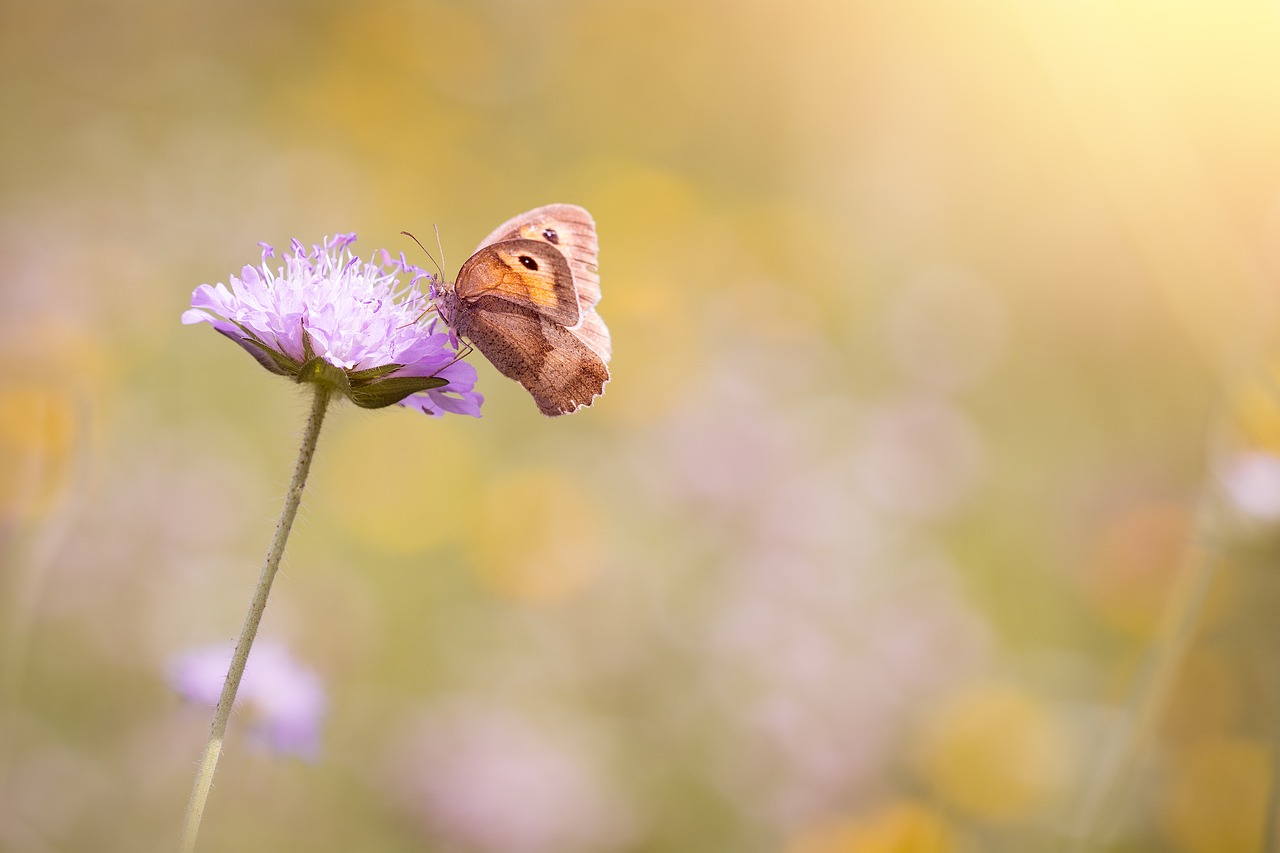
(284, 698)
(327, 316)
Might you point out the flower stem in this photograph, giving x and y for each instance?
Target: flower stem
(1105, 800)
(209, 759)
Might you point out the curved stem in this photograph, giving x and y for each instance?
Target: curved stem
(209, 759)
(1105, 800)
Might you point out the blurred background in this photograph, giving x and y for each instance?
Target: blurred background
(941, 430)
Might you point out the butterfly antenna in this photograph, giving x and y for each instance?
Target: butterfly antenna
(439, 269)
(429, 307)
(439, 245)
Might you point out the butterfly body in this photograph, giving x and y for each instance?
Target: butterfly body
(526, 299)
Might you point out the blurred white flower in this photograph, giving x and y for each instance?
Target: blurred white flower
(1252, 482)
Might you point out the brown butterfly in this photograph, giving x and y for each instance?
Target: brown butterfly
(526, 299)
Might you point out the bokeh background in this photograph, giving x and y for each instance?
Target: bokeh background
(943, 379)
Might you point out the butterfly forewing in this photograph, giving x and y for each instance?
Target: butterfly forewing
(572, 230)
(525, 272)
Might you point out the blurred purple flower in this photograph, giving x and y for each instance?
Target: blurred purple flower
(329, 316)
(920, 456)
(489, 780)
(284, 698)
(824, 662)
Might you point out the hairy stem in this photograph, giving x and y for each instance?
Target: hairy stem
(209, 758)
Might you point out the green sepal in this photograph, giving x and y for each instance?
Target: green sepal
(372, 374)
(316, 369)
(366, 388)
(393, 390)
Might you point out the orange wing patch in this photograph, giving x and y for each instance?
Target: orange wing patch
(524, 272)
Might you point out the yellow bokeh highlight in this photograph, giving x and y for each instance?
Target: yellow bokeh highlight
(536, 536)
(1254, 408)
(899, 827)
(58, 386)
(35, 419)
(39, 426)
(996, 753)
(395, 480)
(1216, 802)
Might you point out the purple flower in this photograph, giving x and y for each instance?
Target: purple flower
(284, 698)
(329, 317)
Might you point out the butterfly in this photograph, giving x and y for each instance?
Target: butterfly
(526, 299)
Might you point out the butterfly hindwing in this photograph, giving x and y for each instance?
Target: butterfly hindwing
(555, 367)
